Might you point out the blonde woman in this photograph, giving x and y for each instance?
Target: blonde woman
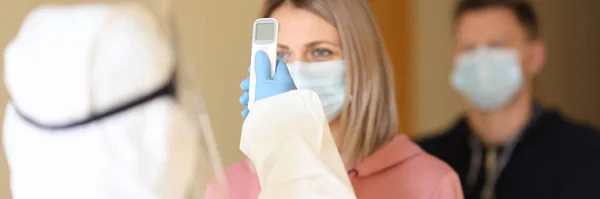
(334, 48)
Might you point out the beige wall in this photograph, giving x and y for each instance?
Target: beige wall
(571, 79)
(435, 103)
(216, 37)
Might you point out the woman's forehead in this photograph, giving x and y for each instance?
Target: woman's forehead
(298, 27)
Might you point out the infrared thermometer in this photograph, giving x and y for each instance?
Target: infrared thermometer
(264, 37)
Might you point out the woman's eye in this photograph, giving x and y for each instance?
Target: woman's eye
(282, 55)
(322, 52)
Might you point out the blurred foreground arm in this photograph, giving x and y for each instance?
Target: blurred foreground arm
(288, 139)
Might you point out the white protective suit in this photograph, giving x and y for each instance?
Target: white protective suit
(72, 63)
(288, 139)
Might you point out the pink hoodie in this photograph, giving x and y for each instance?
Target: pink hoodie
(398, 170)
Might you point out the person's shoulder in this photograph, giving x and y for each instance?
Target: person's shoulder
(425, 172)
(433, 139)
(404, 157)
(239, 174)
(576, 143)
(584, 133)
(434, 142)
(429, 166)
(577, 134)
(422, 165)
(243, 169)
(239, 179)
(582, 138)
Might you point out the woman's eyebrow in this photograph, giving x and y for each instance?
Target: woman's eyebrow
(315, 43)
(283, 46)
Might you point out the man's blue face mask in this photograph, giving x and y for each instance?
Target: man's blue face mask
(488, 77)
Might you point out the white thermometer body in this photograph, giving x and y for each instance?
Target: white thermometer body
(264, 37)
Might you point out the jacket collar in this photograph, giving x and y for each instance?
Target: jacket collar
(398, 150)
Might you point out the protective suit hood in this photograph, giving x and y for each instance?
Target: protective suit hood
(70, 63)
(78, 58)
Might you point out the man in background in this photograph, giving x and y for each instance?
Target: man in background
(507, 145)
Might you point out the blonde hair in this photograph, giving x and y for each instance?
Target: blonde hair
(369, 119)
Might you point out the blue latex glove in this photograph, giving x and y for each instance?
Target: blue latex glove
(265, 85)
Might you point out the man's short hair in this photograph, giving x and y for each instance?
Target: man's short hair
(522, 9)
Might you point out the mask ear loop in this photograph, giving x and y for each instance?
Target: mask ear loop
(186, 72)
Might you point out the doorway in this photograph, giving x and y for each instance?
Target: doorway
(394, 19)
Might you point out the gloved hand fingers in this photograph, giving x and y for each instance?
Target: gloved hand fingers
(245, 112)
(245, 98)
(262, 67)
(245, 85)
(282, 72)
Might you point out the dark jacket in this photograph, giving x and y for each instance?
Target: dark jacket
(555, 158)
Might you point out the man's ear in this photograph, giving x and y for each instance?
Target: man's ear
(537, 57)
